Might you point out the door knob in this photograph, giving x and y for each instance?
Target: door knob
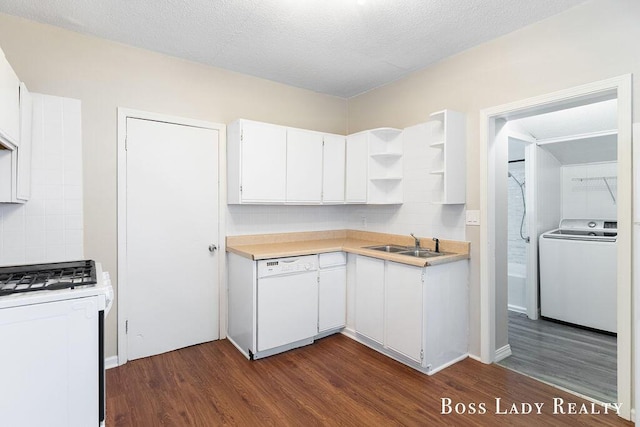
(212, 248)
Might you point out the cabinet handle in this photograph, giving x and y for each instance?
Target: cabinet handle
(212, 247)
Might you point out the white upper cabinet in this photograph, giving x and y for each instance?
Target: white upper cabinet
(23, 183)
(374, 167)
(270, 164)
(449, 136)
(385, 170)
(356, 168)
(304, 166)
(9, 104)
(333, 169)
(256, 162)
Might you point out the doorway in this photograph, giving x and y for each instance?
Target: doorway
(494, 318)
(168, 240)
(567, 162)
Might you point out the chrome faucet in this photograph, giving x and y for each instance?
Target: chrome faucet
(437, 244)
(416, 239)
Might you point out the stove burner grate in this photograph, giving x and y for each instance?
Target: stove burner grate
(53, 276)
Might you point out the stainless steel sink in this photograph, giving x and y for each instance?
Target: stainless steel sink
(388, 248)
(422, 253)
(407, 250)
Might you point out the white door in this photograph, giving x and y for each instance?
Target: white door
(304, 166)
(172, 219)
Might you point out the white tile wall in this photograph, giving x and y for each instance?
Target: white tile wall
(49, 227)
(252, 219)
(589, 198)
(517, 248)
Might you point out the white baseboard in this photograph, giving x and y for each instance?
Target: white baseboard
(517, 308)
(474, 357)
(111, 362)
(503, 353)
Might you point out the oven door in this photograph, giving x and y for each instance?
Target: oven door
(51, 357)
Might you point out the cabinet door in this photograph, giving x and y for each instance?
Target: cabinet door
(304, 166)
(9, 102)
(356, 180)
(404, 310)
(264, 154)
(332, 301)
(370, 298)
(23, 191)
(333, 169)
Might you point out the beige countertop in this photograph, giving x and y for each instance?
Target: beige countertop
(266, 246)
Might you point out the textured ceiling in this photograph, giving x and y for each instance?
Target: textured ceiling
(338, 47)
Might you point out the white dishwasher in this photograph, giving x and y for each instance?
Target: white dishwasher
(287, 302)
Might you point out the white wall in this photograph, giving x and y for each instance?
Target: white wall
(585, 194)
(49, 228)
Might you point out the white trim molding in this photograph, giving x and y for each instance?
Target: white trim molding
(618, 87)
(502, 353)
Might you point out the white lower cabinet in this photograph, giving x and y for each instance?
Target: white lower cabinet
(404, 309)
(417, 315)
(332, 291)
(369, 319)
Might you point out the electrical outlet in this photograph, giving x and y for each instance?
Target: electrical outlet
(363, 221)
(473, 217)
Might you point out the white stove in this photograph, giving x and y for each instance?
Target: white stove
(52, 331)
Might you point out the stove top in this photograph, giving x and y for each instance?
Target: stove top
(52, 276)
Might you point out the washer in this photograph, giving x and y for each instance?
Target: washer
(578, 273)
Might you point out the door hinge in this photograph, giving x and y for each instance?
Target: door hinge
(241, 189)
(126, 140)
(421, 355)
(241, 135)
(126, 326)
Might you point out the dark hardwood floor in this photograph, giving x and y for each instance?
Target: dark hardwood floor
(573, 358)
(335, 381)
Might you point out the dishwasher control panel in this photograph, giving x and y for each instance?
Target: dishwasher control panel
(278, 266)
